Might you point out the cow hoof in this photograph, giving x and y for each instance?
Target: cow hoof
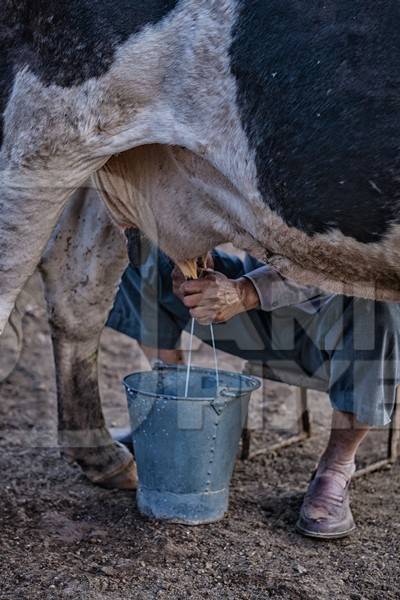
(111, 466)
(124, 480)
(123, 476)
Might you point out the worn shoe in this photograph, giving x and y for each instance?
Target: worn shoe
(326, 512)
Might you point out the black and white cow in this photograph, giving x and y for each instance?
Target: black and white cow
(274, 124)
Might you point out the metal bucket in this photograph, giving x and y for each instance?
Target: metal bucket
(185, 447)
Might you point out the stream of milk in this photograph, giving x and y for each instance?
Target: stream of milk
(189, 365)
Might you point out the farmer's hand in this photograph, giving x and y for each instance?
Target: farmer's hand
(215, 298)
(178, 277)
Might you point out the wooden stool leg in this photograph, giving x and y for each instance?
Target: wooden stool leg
(304, 433)
(305, 413)
(246, 442)
(394, 432)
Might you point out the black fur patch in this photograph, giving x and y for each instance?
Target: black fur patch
(319, 95)
(6, 81)
(68, 42)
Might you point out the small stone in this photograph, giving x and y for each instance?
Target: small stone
(301, 570)
(110, 571)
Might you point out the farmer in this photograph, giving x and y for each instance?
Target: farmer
(350, 347)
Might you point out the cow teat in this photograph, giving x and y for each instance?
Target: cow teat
(192, 268)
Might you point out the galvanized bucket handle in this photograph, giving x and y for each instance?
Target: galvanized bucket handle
(216, 402)
(215, 356)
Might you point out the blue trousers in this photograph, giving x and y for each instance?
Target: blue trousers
(346, 347)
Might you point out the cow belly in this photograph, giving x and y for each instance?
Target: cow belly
(152, 186)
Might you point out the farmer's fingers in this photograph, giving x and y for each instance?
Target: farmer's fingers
(195, 286)
(177, 273)
(177, 277)
(203, 316)
(205, 321)
(193, 301)
(210, 261)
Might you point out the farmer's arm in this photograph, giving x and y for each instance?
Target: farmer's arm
(216, 298)
(274, 291)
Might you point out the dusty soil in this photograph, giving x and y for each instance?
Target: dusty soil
(60, 537)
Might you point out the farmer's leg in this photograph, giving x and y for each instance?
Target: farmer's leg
(344, 440)
(146, 310)
(364, 375)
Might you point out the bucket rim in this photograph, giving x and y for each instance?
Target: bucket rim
(229, 395)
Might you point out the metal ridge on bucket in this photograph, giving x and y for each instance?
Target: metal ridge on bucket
(228, 391)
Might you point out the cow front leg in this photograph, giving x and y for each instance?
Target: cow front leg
(11, 344)
(81, 270)
(26, 222)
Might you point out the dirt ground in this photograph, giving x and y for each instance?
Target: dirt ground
(61, 537)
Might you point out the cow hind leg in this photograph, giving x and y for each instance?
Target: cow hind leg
(11, 344)
(81, 269)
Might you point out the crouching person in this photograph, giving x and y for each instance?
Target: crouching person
(351, 346)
